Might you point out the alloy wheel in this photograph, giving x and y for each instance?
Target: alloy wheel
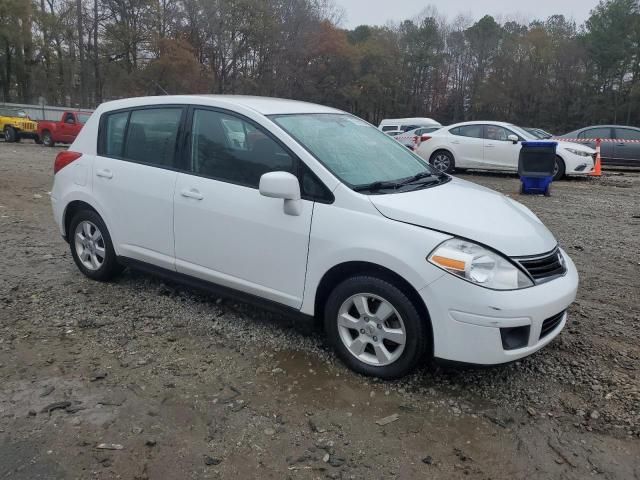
(442, 162)
(371, 329)
(90, 246)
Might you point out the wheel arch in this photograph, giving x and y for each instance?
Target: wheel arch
(77, 205)
(342, 271)
(443, 149)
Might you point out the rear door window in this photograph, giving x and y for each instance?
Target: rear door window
(146, 135)
(603, 132)
(152, 135)
(388, 128)
(473, 131)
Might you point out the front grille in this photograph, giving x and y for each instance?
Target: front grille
(550, 324)
(28, 126)
(543, 268)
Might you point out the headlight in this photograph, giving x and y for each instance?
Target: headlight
(478, 265)
(579, 153)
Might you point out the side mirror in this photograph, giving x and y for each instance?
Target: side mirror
(282, 185)
(513, 138)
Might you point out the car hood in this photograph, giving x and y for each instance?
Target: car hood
(476, 213)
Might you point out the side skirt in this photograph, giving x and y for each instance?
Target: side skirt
(214, 288)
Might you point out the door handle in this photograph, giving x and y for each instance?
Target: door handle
(620, 144)
(490, 145)
(104, 173)
(455, 142)
(192, 193)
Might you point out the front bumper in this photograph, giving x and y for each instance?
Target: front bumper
(576, 165)
(467, 319)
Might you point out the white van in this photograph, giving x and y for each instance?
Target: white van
(406, 124)
(314, 212)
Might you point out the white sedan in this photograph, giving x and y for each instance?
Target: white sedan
(496, 146)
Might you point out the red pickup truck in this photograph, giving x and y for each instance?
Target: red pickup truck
(64, 131)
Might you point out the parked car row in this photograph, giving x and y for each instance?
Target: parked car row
(15, 125)
(496, 146)
(490, 145)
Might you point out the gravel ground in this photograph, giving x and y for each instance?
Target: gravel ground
(143, 379)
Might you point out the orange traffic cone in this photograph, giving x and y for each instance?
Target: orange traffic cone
(597, 169)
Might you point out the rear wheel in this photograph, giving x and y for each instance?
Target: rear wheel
(91, 246)
(558, 169)
(443, 161)
(374, 327)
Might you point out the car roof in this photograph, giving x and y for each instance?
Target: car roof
(607, 126)
(418, 120)
(483, 122)
(262, 105)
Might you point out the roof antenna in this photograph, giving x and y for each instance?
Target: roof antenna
(157, 85)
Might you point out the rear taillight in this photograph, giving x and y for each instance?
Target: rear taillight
(424, 138)
(63, 159)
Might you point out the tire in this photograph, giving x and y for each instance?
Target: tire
(37, 140)
(97, 258)
(443, 161)
(396, 359)
(559, 170)
(47, 139)
(10, 134)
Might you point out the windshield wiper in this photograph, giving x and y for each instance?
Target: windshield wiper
(416, 177)
(375, 186)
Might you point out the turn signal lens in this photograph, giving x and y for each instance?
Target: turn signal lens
(63, 159)
(479, 265)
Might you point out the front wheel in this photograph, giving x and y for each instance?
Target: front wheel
(375, 328)
(91, 246)
(558, 169)
(443, 161)
(10, 134)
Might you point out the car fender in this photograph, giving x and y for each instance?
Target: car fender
(377, 243)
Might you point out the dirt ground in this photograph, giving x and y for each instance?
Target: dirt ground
(178, 384)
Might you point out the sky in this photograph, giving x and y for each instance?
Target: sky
(378, 12)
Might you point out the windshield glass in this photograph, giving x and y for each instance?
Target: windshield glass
(523, 133)
(356, 152)
(83, 117)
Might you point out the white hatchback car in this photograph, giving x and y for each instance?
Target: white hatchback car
(496, 146)
(315, 212)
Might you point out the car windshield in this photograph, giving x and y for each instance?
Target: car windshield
(83, 117)
(523, 133)
(357, 153)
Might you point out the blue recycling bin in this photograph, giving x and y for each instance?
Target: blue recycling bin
(536, 166)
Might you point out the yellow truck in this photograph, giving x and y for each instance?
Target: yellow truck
(15, 125)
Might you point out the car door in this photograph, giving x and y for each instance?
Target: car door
(75, 128)
(225, 231)
(500, 153)
(66, 127)
(467, 144)
(607, 149)
(134, 176)
(627, 146)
